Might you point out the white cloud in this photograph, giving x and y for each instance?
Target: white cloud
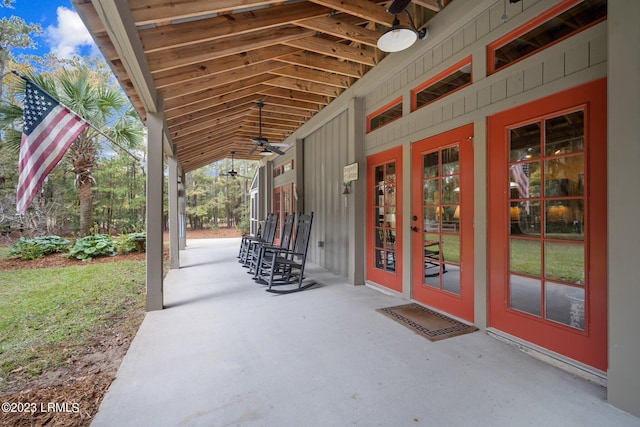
(70, 35)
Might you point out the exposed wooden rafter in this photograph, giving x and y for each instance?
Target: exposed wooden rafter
(213, 61)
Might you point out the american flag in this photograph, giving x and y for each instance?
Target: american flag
(520, 172)
(48, 131)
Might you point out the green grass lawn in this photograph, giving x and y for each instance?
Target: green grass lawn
(47, 313)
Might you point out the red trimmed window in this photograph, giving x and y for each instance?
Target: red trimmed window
(385, 115)
(453, 78)
(558, 23)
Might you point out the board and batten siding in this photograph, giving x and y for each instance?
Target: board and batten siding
(325, 155)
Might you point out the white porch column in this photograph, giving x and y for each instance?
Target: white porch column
(356, 200)
(182, 213)
(174, 220)
(155, 180)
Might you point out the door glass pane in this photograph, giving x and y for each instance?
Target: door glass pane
(451, 219)
(564, 134)
(432, 259)
(385, 217)
(525, 218)
(564, 261)
(524, 294)
(564, 304)
(451, 161)
(525, 257)
(450, 250)
(431, 194)
(564, 176)
(524, 143)
(430, 219)
(430, 165)
(524, 180)
(564, 219)
(450, 189)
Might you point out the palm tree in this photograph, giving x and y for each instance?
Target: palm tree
(88, 93)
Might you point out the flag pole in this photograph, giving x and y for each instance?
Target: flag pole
(81, 118)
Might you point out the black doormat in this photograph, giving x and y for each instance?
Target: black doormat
(428, 323)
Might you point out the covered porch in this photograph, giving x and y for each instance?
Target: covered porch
(224, 352)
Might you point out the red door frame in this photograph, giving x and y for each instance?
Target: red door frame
(391, 280)
(457, 305)
(588, 346)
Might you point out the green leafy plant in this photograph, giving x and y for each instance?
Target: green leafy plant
(131, 242)
(38, 247)
(94, 246)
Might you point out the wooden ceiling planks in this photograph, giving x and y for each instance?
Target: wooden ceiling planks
(213, 61)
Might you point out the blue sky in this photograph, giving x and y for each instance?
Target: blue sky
(63, 33)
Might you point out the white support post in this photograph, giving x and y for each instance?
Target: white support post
(155, 180)
(182, 213)
(356, 200)
(174, 251)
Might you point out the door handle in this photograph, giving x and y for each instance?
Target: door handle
(415, 229)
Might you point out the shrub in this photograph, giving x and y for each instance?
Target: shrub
(90, 247)
(131, 242)
(38, 247)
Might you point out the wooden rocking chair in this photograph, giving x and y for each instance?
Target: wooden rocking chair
(285, 242)
(248, 242)
(282, 267)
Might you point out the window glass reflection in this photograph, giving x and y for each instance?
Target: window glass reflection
(431, 194)
(564, 134)
(451, 160)
(525, 218)
(564, 219)
(564, 176)
(564, 304)
(430, 166)
(564, 261)
(525, 294)
(450, 189)
(524, 142)
(525, 257)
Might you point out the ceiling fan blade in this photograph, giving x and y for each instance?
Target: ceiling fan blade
(253, 150)
(279, 144)
(274, 149)
(398, 6)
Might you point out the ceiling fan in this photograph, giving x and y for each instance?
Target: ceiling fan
(262, 142)
(234, 173)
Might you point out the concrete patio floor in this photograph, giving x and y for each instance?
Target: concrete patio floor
(226, 353)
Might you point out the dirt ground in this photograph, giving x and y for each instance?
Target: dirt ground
(70, 395)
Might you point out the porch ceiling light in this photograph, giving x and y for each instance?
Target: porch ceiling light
(400, 37)
(265, 152)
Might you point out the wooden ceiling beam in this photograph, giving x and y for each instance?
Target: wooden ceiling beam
(311, 75)
(231, 25)
(293, 94)
(304, 86)
(150, 12)
(211, 97)
(341, 28)
(194, 110)
(429, 4)
(335, 49)
(221, 65)
(366, 10)
(226, 82)
(196, 53)
(323, 63)
(210, 114)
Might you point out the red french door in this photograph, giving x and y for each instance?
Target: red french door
(442, 222)
(548, 222)
(384, 218)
